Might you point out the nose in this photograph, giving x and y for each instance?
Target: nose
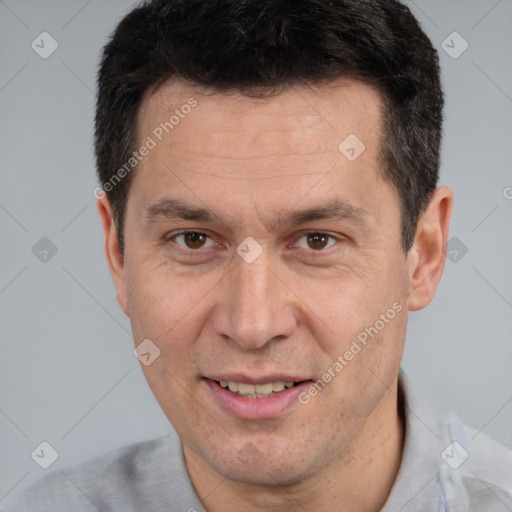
(254, 306)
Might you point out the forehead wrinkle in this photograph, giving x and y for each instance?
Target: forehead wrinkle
(256, 178)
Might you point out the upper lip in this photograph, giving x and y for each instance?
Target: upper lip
(237, 377)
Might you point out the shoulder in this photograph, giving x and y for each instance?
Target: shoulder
(136, 476)
(475, 467)
(468, 470)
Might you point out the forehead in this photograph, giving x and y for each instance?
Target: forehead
(299, 120)
(228, 145)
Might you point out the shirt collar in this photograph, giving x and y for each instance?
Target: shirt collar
(417, 482)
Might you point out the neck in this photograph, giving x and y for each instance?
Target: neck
(357, 480)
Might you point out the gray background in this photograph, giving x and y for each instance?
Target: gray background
(68, 375)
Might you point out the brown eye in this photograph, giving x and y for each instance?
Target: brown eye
(194, 240)
(317, 240)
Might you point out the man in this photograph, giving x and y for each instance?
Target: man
(271, 213)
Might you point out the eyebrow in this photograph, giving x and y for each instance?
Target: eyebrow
(335, 209)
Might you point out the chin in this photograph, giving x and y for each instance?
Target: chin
(269, 478)
(266, 471)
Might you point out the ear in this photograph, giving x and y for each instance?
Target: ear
(427, 257)
(115, 257)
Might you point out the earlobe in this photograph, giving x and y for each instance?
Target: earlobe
(115, 257)
(427, 256)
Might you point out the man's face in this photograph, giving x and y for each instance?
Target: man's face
(283, 305)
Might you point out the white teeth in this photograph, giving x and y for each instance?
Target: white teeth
(246, 389)
(278, 386)
(264, 389)
(256, 390)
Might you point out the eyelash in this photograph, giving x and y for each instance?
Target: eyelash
(172, 237)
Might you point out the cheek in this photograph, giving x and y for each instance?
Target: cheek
(364, 361)
(163, 301)
(345, 305)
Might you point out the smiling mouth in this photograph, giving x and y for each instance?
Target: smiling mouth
(256, 390)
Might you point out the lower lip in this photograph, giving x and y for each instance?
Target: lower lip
(255, 408)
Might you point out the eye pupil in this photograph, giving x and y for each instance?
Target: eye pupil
(317, 240)
(194, 240)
